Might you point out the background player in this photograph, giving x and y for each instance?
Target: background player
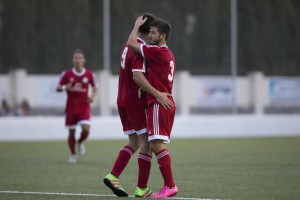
(76, 82)
(132, 111)
(160, 74)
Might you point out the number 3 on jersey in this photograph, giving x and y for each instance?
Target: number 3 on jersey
(123, 57)
(171, 76)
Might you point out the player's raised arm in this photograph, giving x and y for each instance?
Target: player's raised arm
(132, 41)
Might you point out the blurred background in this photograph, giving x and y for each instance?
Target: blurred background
(40, 36)
(235, 58)
(236, 133)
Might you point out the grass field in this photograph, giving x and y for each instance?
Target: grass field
(203, 168)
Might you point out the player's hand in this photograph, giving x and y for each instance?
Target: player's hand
(69, 86)
(163, 100)
(90, 100)
(140, 21)
(59, 88)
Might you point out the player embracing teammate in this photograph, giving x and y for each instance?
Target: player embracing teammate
(160, 74)
(160, 107)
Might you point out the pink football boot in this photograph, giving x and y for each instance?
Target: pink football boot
(165, 192)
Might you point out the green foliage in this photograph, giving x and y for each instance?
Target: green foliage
(41, 35)
(203, 168)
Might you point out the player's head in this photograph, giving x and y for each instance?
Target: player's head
(145, 28)
(78, 58)
(159, 31)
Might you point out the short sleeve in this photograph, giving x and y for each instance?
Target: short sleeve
(62, 79)
(138, 63)
(150, 51)
(93, 81)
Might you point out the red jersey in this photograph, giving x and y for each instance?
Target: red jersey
(128, 89)
(77, 99)
(160, 69)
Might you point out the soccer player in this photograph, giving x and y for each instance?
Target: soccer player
(160, 74)
(76, 82)
(132, 111)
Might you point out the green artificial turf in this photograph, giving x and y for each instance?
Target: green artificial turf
(266, 168)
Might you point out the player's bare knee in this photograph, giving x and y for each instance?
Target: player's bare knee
(137, 145)
(134, 146)
(144, 140)
(72, 131)
(87, 131)
(154, 147)
(134, 143)
(157, 145)
(145, 144)
(85, 128)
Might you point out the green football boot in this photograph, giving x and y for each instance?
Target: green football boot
(142, 192)
(114, 184)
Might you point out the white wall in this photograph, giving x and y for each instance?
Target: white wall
(238, 126)
(245, 99)
(189, 91)
(252, 90)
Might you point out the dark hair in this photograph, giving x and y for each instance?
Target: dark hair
(145, 28)
(163, 26)
(78, 51)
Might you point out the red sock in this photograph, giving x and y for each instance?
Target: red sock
(164, 162)
(144, 161)
(71, 142)
(122, 160)
(83, 136)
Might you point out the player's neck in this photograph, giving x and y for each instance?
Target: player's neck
(144, 37)
(79, 69)
(162, 43)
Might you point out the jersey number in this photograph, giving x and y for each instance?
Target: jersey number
(123, 58)
(171, 76)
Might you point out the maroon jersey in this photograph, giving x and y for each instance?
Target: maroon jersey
(77, 99)
(128, 89)
(160, 69)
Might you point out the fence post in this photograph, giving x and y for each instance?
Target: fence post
(183, 91)
(257, 80)
(18, 85)
(104, 80)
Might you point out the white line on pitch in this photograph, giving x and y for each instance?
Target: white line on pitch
(84, 195)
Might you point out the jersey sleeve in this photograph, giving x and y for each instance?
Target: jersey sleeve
(62, 79)
(138, 63)
(93, 81)
(150, 51)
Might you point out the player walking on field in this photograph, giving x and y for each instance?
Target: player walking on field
(76, 82)
(160, 74)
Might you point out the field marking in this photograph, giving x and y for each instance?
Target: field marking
(86, 195)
